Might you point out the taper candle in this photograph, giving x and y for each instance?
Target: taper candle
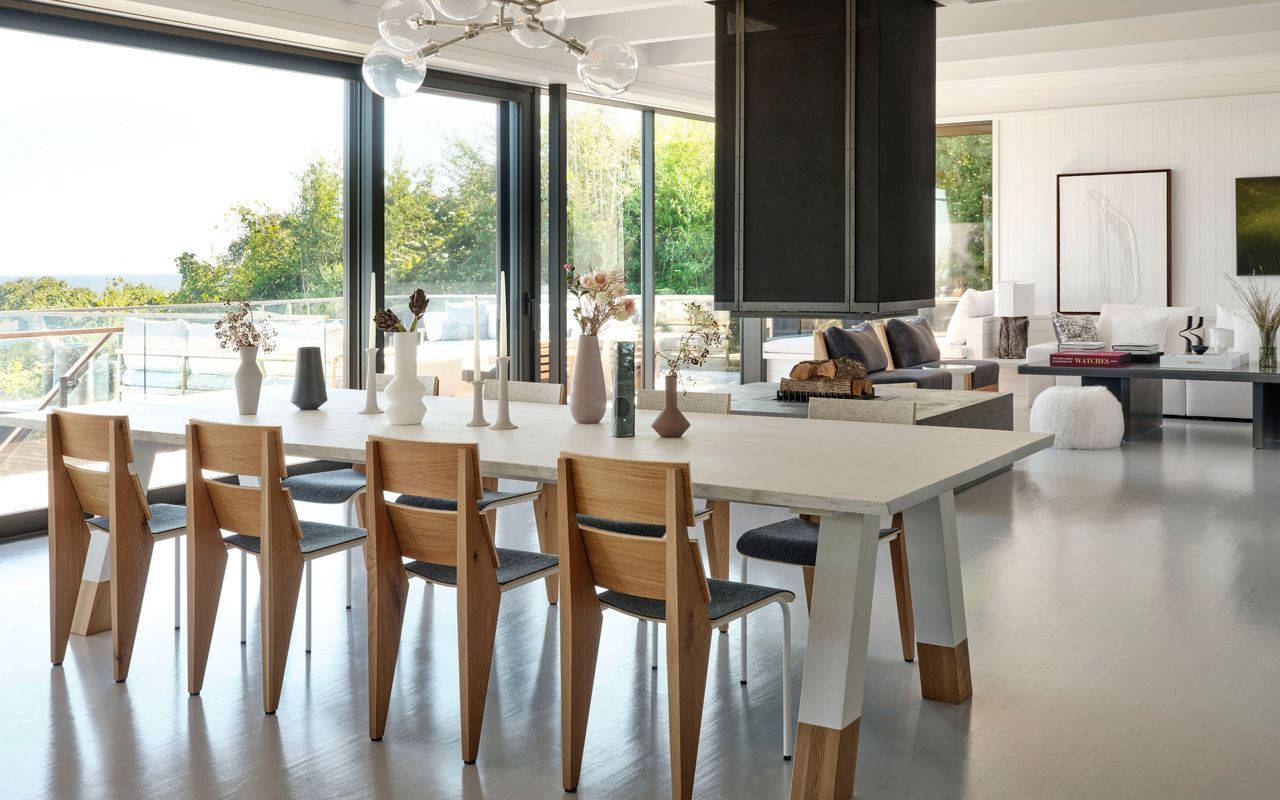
(475, 328)
(502, 314)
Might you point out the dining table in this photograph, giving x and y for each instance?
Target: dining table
(850, 475)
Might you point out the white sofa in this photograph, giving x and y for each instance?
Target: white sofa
(1213, 399)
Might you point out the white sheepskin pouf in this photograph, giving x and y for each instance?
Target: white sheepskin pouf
(1079, 417)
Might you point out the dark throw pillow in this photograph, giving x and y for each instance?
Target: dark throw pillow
(859, 343)
(911, 342)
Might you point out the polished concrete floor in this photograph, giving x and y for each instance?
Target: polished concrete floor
(1124, 626)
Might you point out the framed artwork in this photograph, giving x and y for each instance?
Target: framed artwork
(1258, 226)
(1114, 239)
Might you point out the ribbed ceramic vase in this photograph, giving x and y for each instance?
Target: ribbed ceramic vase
(586, 395)
(404, 393)
(248, 381)
(671, 424)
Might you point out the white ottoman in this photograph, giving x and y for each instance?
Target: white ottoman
(1080, 418)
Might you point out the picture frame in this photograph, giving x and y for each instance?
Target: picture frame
(1258, 226)
(1115, 239)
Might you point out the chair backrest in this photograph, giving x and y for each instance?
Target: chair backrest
(77, 489)
(429, 382)
(692, 402)
(651, 493)
(528, 392)
(248, 451)
(891, 412)
(427, 469)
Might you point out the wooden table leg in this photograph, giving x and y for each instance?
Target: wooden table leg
(938, 601)
(835, 663)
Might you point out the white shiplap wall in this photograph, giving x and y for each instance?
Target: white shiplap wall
(1207, 143)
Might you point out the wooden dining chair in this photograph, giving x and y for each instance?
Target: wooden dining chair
(624, 528)
(450, 546)
(116, 504)
(714, 516)
(795, 541)
(261, 522)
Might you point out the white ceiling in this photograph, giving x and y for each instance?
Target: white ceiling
(997, 56)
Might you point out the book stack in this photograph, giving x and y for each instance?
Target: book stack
(1089, 358)
(1141, 353)
(1080, 347)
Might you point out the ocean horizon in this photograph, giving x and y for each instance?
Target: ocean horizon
(165, 281)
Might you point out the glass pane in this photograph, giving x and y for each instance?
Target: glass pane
(442, 226)
(605, 209)
(963, 243)
(141, 216)
(684, 248)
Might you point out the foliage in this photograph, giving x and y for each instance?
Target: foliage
(1261, 304)
(963, 172)
(604, 189)
(696, 343)
(684, 206)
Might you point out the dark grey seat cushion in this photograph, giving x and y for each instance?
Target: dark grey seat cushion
(165, 518)
(911, 342)
(727, 597)
(316, 536)
(986, 373)
(859, 343)
(791, 541)
(620, 526)
(512, 566)
(446, 504)
(331, 486)
(921, 378)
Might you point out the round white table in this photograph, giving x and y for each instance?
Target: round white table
(958, 373)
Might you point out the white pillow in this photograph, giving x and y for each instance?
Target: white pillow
(972, 304)
(984, 303)
(1176, 316)
(1139, 330)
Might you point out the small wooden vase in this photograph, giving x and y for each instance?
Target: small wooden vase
(671, 424)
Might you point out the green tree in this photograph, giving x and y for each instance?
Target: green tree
(684, 206)
(25, 294)
(118, 293)
(202, 282)
(963, 172)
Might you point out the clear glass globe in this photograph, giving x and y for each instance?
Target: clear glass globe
(609, 67)
(462, 10)
(392, 72)
(530, 22)
(406, 24)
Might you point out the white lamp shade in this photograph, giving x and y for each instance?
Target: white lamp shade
(1015, 299)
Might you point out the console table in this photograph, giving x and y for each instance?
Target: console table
(936, 407)
(1138, 387)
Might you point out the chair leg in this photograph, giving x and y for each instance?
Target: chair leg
(544, 522)
(68, 550)
(808, 587)
(715, 531)
(477, 628)
(688, 657)
(786, 681)
(902, 589)
(308, 608)
(177, 583)
(281, 579)
(387, 589)
(130, 553)
(742, 633)
(244, 597)
(349, 577)
(653, 643)
(206, 569)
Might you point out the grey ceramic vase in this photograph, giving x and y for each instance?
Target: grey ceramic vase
(308, 380)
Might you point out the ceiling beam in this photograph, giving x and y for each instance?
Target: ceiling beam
(681, 53)
(654, 25)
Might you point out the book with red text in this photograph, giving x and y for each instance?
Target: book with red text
(1095, 358)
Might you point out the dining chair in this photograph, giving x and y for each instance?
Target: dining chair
(259, 516)
(714, 517)
(450, 546)
(116, 504)
(344, 485)
(795, 541)
(624, 528)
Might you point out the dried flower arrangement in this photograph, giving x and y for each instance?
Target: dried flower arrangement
(239, 329)
(1263, 307)
(388, 322)
(602, 296)
(696, 343)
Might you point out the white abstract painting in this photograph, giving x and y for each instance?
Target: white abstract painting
(1113, 240)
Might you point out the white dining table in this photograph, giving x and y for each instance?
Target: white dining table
(851, 475)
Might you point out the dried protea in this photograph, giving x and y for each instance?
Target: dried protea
(417, 307)
(387, 321)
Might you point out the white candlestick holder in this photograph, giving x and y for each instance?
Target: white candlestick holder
(477, 406)
(371, 382)
(503, 422)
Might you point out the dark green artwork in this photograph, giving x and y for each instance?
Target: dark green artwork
(1258, 226)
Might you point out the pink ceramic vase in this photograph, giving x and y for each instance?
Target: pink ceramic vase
(586, 395)
(671, 424)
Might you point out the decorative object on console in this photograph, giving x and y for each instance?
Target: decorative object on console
(1114, 239)
(240, 331)
(1015, 301)
(1263, 307)
(1226, 360)
(1099, 358)
(1081, 346)
(601, 296)
(1195, 343)
(624, 390)
(1257, 237)
(1073, 328)
(396, 65)
(308, 380)
(1140, 353)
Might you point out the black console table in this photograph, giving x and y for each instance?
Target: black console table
(1138, 387)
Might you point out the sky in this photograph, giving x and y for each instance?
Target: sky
(115, 160)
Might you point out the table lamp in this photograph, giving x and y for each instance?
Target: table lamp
(1015, 301)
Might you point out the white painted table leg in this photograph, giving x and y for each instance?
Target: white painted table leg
(835, 664)
(938, 600)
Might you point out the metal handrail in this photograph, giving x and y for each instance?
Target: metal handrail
(59, 332)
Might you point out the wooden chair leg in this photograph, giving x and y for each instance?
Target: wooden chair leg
(715, 532)
(544, 517)
(281, 584)
(68, 546)
(580, 623)
(808, 587)
(130, 562)
(688, 656)
(477, 627)
(490, 517)
(902, 589)
(388, 591)
(206, 566)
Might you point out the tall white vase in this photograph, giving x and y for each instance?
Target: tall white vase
(404, 393)
(248, 381)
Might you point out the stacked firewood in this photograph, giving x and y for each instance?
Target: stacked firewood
(833, 377)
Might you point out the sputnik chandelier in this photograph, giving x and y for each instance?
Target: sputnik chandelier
(396, 65)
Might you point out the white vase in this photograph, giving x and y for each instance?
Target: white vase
(404, 393)
(248, 381)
